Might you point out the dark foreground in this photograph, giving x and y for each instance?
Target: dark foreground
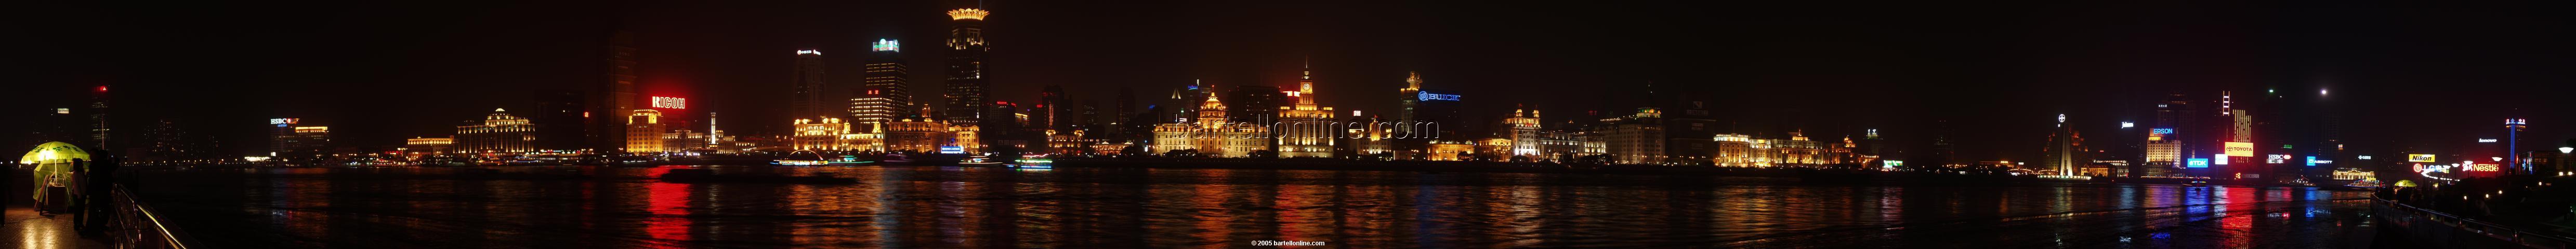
(1158, 208)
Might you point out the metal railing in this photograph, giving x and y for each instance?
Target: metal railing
(136, 226)
(2492, 230)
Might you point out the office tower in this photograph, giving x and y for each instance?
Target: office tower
(1125, 105)
(98, 128)
(1051, 113)
(887, 95)
(1183, 103)
(1089, 121)
(614, 98)
(1254, 104)
(644, 131)
(1305, 127)
(966, 57)
(806, 88)
(499, 133)
(558, 119)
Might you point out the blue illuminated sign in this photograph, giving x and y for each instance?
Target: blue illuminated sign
(952, 150)
(2196, 163)
(1428, 96)
(2163, 131)
(2312, 160)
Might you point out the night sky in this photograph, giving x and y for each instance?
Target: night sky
(2409, 75)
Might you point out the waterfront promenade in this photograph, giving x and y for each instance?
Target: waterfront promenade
(30, 230)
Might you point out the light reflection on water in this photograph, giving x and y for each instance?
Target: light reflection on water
(1075, 207)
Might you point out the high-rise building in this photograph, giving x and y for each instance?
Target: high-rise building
(887, 95)
(644, 131)
(1254, 104)
(615, 97)
(1125, 105)
(967, 102)
(498, 133)
(806, 86)
(1307, 128)
(1089, 122)
(1409, 97)
(98, 128)
(1051, 112)
(559, 121)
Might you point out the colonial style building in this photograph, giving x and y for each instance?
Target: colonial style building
(498, 133)
(1307, 128)
(1211, 134)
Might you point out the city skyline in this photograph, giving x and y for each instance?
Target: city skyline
(2005, 118)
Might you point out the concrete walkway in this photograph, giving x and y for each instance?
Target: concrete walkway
(26, 229)
(30, 230)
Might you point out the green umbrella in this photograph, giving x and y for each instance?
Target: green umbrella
(52, 159)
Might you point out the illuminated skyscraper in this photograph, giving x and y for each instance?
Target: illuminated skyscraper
(887, 96)
(966, 56)
(644, 131)
(806, 99)
(293, 142)
(615, 97)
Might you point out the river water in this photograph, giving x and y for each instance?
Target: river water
(950, 207)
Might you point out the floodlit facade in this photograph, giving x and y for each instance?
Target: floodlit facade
(1211, 134)
(499, 132)
(644, 131)
(1307, 129)
(818, 134)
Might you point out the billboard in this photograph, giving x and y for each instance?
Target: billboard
(2243, 149)
(2196, 163)
(2276, 159)
(283, 121)
(2484, 167)
(2222, 159)
(1891, 163)
(670, 102)
(2166, 131)
(2421, 158)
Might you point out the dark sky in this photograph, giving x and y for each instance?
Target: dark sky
(2402, 75)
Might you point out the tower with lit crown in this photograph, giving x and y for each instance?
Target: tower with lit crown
(1306, 133)
(966, 57)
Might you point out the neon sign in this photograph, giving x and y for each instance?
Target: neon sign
(282, 121)
(2196, 163)
(2421, 158)
(952, 149)
(2162, 130)
(1428, 96)
(885, 45)
(2222, 159)
(670, 102)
